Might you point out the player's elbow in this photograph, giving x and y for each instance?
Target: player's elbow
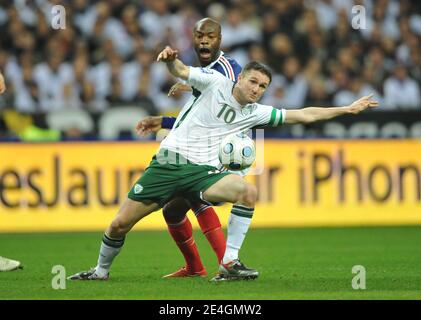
(184, 73)
(305, 119)
(307, 116)
(299, 116)
(309, 119)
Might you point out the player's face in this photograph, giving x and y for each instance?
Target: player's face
(207, 42)
(252, 85)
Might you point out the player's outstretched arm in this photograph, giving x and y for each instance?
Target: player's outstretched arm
(174, 65)
(2, 84)
(312, 114)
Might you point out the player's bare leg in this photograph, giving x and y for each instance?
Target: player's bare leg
(113, 239)
(234, 189)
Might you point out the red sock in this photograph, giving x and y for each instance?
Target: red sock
(182, 233)
(211, 228)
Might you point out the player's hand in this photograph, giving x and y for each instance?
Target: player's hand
(178, 87)
(362, 104)
(149, 125)
(167, 55)
(2, 84)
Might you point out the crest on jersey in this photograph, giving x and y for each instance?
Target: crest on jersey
(246, 110)
(138, 188)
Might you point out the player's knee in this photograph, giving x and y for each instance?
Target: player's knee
(172, 216)
(118, 228)
(250, 195)
(236, 192)
(174, 212)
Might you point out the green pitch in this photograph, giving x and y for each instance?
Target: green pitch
(312, 263)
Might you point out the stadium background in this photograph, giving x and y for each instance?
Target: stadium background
(68, 153)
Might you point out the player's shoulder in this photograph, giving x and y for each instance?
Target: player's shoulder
(207, 72)
(226, 58)
(227, 67)
(228, 62)
(217, 76)
(213, 76)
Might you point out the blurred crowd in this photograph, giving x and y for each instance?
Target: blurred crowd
(105, 56)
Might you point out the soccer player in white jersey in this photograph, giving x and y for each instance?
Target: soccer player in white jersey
(187, 160)
(207, 42)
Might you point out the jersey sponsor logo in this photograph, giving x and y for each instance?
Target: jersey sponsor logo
(205, 70)
(138, 188)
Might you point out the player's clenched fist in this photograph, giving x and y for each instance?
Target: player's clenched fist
(167, 55)
(2, 84)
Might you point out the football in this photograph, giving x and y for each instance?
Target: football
(237, 151)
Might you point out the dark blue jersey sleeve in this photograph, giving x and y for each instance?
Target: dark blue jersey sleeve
(168, 122)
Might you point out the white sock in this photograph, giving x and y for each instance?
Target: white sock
(110, 248)
(238, 225)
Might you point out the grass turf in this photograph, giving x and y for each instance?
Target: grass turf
(309, 263)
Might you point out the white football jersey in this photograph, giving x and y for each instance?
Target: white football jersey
(206, 119)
